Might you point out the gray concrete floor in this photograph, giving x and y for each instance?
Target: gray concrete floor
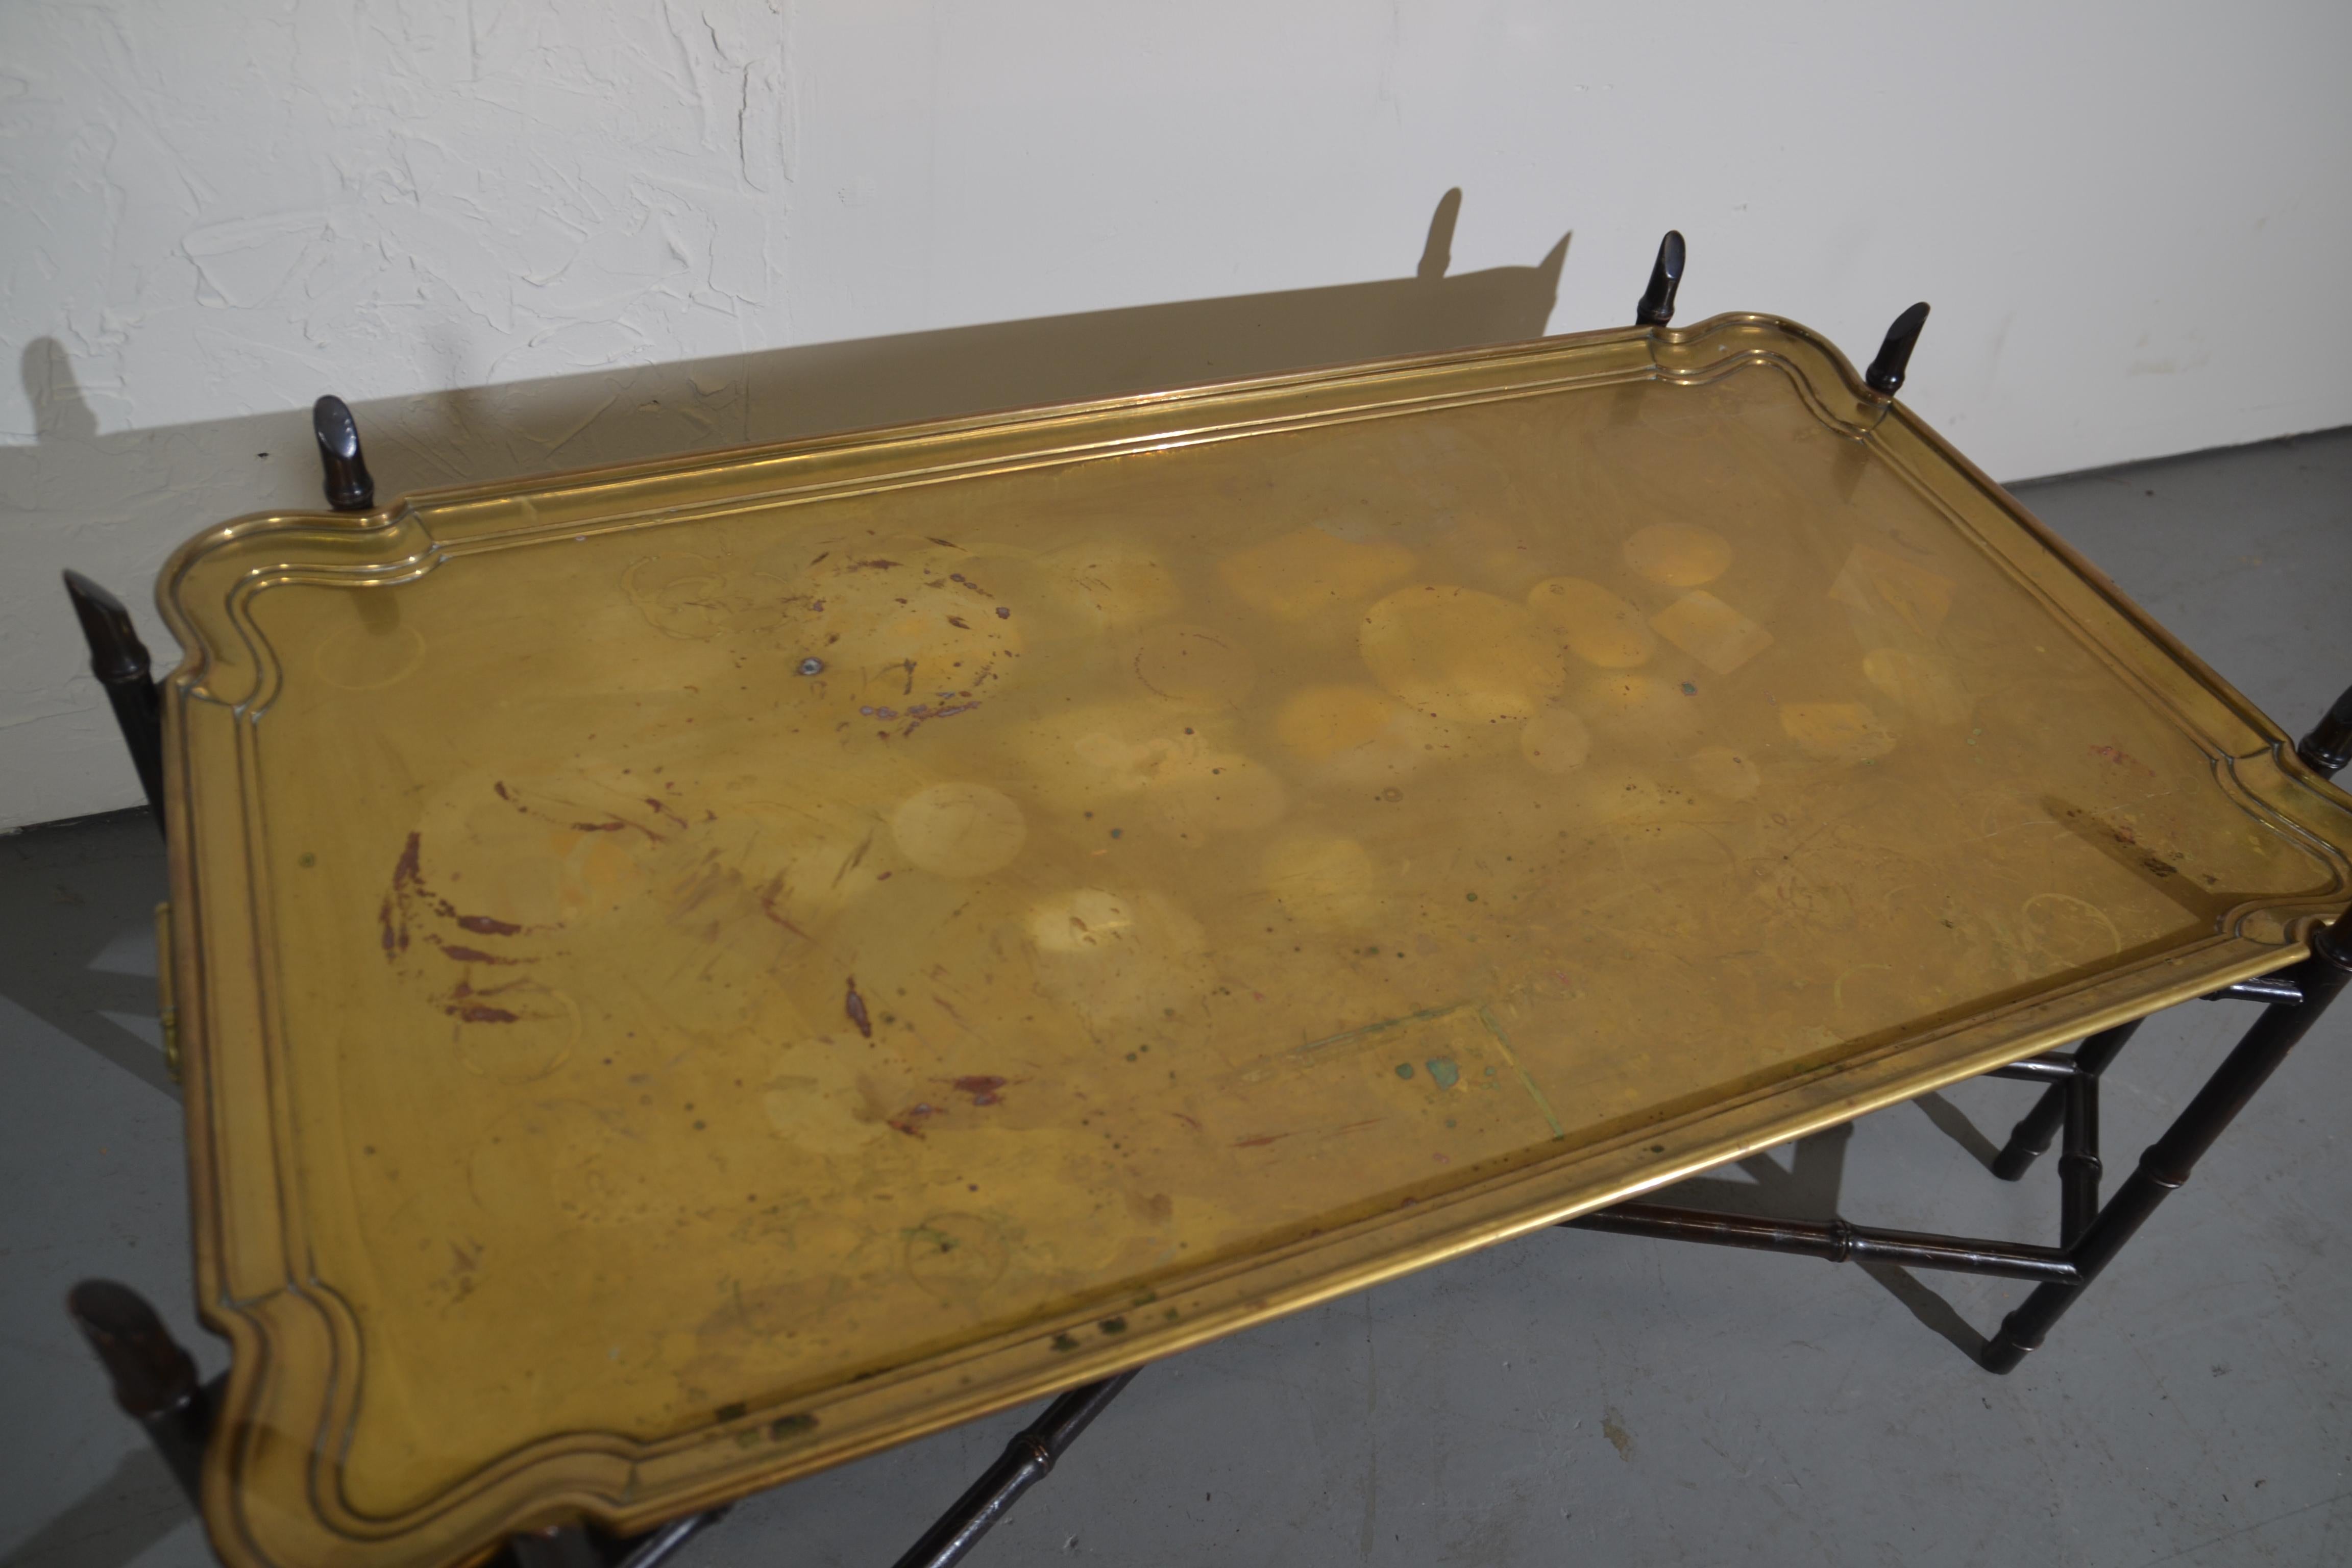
(1564, 1398)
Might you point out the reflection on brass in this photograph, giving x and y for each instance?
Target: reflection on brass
(766, 955)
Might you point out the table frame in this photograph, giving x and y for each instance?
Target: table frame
(155, 1382)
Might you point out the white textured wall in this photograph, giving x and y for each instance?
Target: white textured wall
(662, 224)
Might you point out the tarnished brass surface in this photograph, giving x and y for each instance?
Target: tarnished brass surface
(691, 973)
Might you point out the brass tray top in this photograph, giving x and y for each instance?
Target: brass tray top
(695, 971)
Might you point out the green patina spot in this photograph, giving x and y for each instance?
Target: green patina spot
(1113, 1325)
(1169, 1314)
(1147, 1298)
(309, 859)
(1442, 1069)
(747, 1439)
(1065, 1343)
(938, 1239)
(1688, 690)
(733, 1411)
(785, 1426)
(1404, 1069)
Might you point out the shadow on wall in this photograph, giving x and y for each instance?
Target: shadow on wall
(115, 505)
(637, 412)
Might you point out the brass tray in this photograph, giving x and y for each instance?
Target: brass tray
(695, 971)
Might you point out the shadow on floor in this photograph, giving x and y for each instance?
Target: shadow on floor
(77, 942)
(114, 1522)
(1808, 1188)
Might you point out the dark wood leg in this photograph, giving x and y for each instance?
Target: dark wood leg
(2169, 1160)
(350, 486)
(2032, 1135)
(2090, 1233)
(586, 1546)
(2328, 748)
(119, 661)
(1027, 1460)
(1886, 374)
(1657, 306)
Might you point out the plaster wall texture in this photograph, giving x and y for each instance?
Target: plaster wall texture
(543, 234)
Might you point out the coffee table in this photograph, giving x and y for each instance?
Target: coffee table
(690, 973)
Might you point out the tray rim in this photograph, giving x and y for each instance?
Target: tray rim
(503, 1495)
